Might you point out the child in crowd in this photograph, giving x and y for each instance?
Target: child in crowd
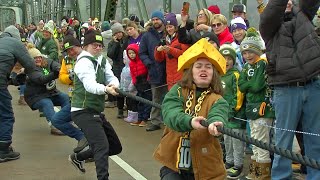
(127, 86)
(139, 74)
(253, 84)
(234, 147)
(238, 29)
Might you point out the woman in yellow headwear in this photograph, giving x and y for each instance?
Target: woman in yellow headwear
(188, 150)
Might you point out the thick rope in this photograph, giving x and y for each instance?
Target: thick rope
(304, 160)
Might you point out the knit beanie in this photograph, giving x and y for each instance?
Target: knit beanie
(237, 23)
(158, 14)
(171, 19)
(69, 42)
(116, 27)
(214, 9)
(134, 18)
(125, 21)
(252, 42)
(64, 23)
(13, 31)
(34, 52)
(210, 36)
(49, 26)
(239, 8)
(228, 50)
(92, 36)
(105, 26)
(24, 38)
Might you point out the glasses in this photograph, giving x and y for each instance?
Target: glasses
(96, 45)
(200, 15)
(216, 25)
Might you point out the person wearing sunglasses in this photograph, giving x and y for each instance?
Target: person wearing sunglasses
(219, 25)
(201, 29)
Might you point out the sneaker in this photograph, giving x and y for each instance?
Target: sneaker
(9, 155)
(76, 163)
(135, 123)
(228, 166)
(81, 145)
(152, 127)
(142, 124)
(234, 173)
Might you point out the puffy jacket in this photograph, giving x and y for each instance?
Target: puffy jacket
(292, 46)
(156, 70)
(11, 52)
(49, 47)
(171, 57)
(137, 68)
(36, 85)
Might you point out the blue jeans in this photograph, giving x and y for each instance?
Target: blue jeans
(22, 89)
(294, 104)
(144, 109)
(61, 120)
(6, 116)
(46, 105)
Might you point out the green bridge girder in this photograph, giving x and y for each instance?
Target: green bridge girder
(35, 10)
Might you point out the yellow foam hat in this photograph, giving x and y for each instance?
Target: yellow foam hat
(202, 49)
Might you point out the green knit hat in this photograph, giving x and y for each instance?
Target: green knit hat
(228, 50)
(252, 42)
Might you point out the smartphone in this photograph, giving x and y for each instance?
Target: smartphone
(185, 7)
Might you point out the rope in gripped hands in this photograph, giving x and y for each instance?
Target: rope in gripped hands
(304, 160)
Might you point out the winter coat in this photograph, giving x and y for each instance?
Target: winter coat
(156, 70)
(234, 97)
(36, 85)
(192, 36)
(107, 37)
(138, 71)
(205, 149)
(11, 52)
(66, 69)
(126, 79)
(49, 48)
(252, 83)
(171, 57)
(292, 45)
(115, 52)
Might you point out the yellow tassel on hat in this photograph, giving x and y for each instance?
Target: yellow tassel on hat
(202, 49)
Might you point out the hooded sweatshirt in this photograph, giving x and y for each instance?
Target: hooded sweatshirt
(137, 68)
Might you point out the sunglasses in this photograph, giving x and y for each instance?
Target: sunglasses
(96, 45)
(216, 25)
(200, 15)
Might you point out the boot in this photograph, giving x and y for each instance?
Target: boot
(129, 117)
(21, 101)
(134, 116)
(7, 153)
(252, 170)
(263, 171)
(120, 114)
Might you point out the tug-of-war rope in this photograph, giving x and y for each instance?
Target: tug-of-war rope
(304, 160)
